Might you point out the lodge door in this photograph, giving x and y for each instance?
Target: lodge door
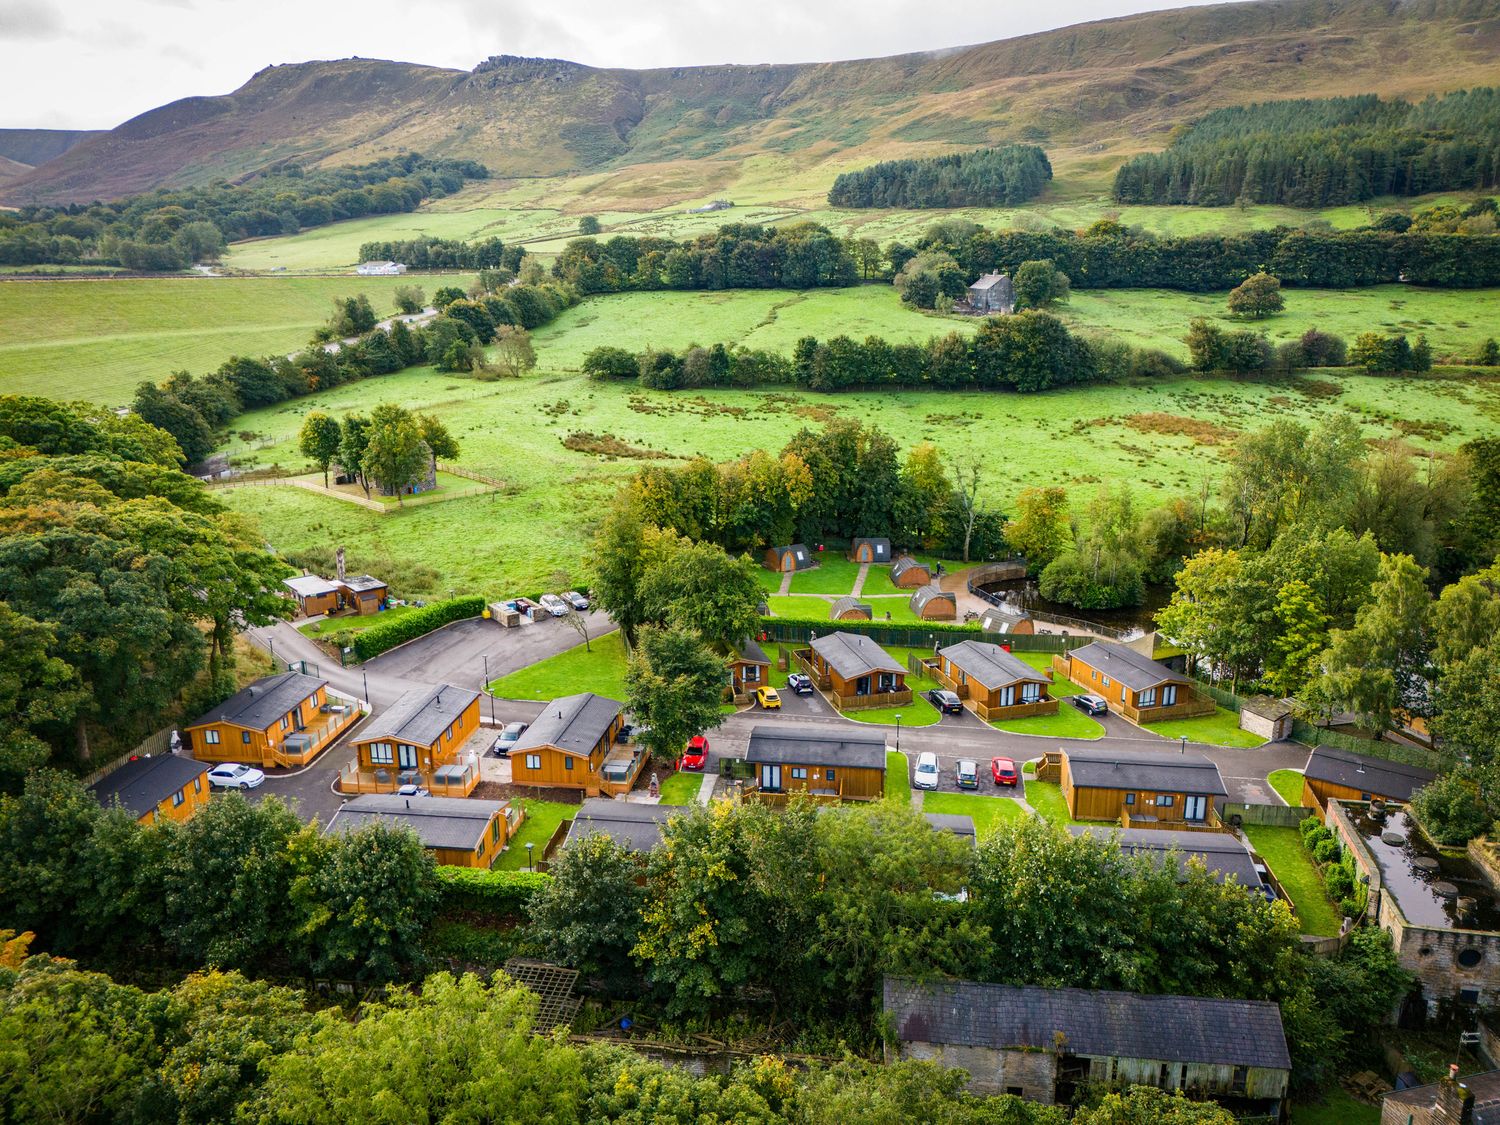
(770, 778)
(406, 756)
(1194, 808)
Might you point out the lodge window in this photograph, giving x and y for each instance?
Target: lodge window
(495, 830)
(533, 761)
(1007, 696)
(1165, 801)
(1169, 695)
(1106, 681)
(887, 682)
(178, 797)
(567, 761)
(286, 721)
(1146, 698)
(244, 737)
(197, 785)
(752, 673)
(211, 737)
(1130, 798)
(828, 774)
(382, 753)
(799, 772)
(1030, 693)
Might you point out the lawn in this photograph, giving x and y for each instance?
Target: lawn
(834, 574)
(681, 789)
(319, 629)
(1288, 783)
(1337, 1108)
(542, 819)
(1283, 852)
(1047, 798)
(770, 580)
(897, 778)
(986, 812)
(917, 713)
(1069, 722)
(1222, 728)
(601, 670)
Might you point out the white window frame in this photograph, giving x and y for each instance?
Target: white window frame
(1031, 692)
(799, 773)
(210, 737)
(1168, 695)
(382, 753)
(533, 761)
(752, 673)
(1146, 698)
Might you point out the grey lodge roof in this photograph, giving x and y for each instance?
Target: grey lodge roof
(264, 701)
(880, 549)
(1184, 1029)
(990, 665)
(1383, 778)
(143, 783)
(1126, 666)
(1222, 854)
(854, 654)
(850, 602)
(804, 745)
(956, 823)
(1161, 771)
(574, 724)
(439, 822)
(630, 824)
(903, 564)
(420, 715)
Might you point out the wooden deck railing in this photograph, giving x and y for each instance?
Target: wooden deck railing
(323, 734)
(1210, 823)
(873, 700)
(380, 779)
(1044, 706)
(1185, 708)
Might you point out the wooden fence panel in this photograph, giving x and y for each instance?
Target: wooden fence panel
(1275, 816)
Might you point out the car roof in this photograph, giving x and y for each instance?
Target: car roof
(926, 755)
(969, 762)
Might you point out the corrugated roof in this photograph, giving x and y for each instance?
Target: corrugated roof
(419, 716)
(990, 665)
(854, 654)
(850, 602)
(439, 822)
(805, 745)
(574, 723)
(1163, 771)
(310, 585)
(1221, 853)
(1127, 1025)
(1126, 666)
(1382, 778)
(925, 594)
(143, 784)
(264, 702)
(905, 563)
(629, 823)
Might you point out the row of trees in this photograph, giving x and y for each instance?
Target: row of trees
(1324, 152)
(391, 448)
(172, 229)
(986, 177)
(429, 253)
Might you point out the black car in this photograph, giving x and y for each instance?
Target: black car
(799, 684)
(945, 701)
(1093, 704)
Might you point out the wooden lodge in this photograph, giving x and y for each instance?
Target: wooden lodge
(1008, 621)
(420, 739)
(792, 557)
(571, 745)
(1134, 685)
(832, 763)
(908, 573)
(749, 669)
(1047, 1044)
(167, 786)
(992, 682)
(931, 603)
(1348, 776)
(850, 608)
(277, 721)
(855, 672)
(458, 832)
(1142, 788)
(634, 826)
(323, 597)
(877, 552)
(1223, 855)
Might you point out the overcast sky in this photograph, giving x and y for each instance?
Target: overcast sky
(91, 64)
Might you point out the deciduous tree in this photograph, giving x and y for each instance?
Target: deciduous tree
(319, 440)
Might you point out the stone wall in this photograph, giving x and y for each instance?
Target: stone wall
(994, 1071)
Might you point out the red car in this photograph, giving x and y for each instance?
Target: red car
(695, 756)
(1003, 770)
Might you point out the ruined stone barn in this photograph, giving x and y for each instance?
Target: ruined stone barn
(993, 293)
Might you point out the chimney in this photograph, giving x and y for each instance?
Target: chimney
(1455, 1104)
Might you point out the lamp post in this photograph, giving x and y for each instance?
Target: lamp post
(1183, 748)
(487, 687)
(271, 641)
(898, 734)
(365, 676)
(529, 866)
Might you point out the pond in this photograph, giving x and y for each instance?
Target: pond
(1133, 622)
(1431, 888)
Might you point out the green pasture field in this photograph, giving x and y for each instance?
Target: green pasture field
(97, 340)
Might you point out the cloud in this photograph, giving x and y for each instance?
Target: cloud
(28, 21)
(178, 53)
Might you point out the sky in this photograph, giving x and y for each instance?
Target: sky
(91, 64)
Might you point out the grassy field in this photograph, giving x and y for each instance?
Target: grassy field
(897, 778)
(1222, 728)
(542, 819)
(917, 713)
(986, 812)
(1288, 783)
(601, 670)
(1069, 722)
(834, 574)
(1047, 798)
(1282, 850)
(97, 340)
(1336, 1108)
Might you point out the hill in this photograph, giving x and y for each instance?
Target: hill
(1091, 94)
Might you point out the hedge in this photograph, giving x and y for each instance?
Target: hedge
(408, 627)
(505, 894)
(798, 630)
(1310, 735)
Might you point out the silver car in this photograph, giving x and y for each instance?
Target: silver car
(925, 776)
(554, 605)
(576, 600)
(232, 775)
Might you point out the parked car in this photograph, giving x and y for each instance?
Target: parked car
(800, 684)
(554, 605)
(1003, 770)
(576, 600)
(696, 754)
(232, 775)
(768, 698)
(925, 776)
(1093, 704)
(946, 702)
(412, 791)
(967, 774)
(508, 737)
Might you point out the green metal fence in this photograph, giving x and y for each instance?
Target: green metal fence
(1311, 735)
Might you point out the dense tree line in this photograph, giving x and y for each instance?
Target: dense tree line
(1324, 152)
(986, 177)
(171, 229)
(428, 253)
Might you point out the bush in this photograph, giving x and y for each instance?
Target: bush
(506, 894)
(1451, 809)
(1326, 851)
(398, 630)
(1338, 881)
(1308, 825)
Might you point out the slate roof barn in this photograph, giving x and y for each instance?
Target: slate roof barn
(993, 292)
(1332, 772)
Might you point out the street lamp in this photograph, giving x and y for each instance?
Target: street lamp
(529, 866)
(365, 676)
(272, 642)
(1183, 748)
(487, 687)
(898, 734)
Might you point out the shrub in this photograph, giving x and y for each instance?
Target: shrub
(505, 894)
(1338, 882)
(1326, 851)
(398, 630)
(1451, 809)
(1307, 826)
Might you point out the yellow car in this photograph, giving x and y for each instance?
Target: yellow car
(768, 698)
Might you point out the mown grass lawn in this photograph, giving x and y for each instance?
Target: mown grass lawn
(770, 580)
(1336, 1108)
(1222, 728)
(897, 778)
(987, 812)
(542, 819)
(790, 605)
(1287, 783)
(1047, 798)
(681, 788)
(1069, 722)
(917, 713)
(601, 670)
(1283, 852)
(320, 629)
(834, 574)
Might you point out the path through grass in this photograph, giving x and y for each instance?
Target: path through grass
(1282, 850)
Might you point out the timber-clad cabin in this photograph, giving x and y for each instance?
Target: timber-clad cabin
(855, 671)
(992, 682)
(1135, 686)
(930, 603)
(458, 832)
(874, 551)
(276, 721)
(1348, 776)
(419, 737)
(317, 596)
(1222, 855)
(170, 786)
(908, 573)
(749, 668)
(850, 608)
(571, 745)
(1045, 1044)
(1142, 788)
(792, 557)
(825, 762)
(635, 827)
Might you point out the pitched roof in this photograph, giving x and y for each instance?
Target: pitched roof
(952, 822)
(1222, 854)
(1126, 666)
(806, 745)
(854, 654)
(850, 602)
(574, 723)
(439, 822)
(143, 783)
(905, 563)
(419, 716)
(1383, 778)
(988, 280)
(924, 594)
(880, 547)
(990, 665)
(1187, 1029)
(629, 823)
(310, 585)
(750, 652)
(264, 701)
(1485, 1087)
(1165, 771)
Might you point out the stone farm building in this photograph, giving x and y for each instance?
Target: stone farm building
(380, 269)
(993, 293)
(1044, 1044)
(1474, 1100)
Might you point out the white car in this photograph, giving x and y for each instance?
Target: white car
(232, 775)
(926, 774)
(554, 605)
(576, 600)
